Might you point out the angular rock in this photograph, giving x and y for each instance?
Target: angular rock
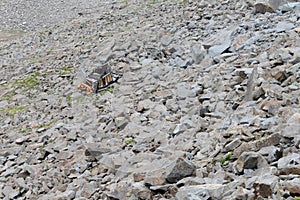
(201, 192)
(271, 152)
(265, 186)
(289, 164)
(232, 145)
(141, 191)
(96, 151)
(179, 62)
(241, 193)
(293, 186)
(183, 91)
(9, 192)
(121, 122)
(292, 126)
(166, 39)
(217, 50)
(263, 6)
(271, 140)
(284, 26)
(250, 161)
(179, 169)
(87, 190)
(198, 53)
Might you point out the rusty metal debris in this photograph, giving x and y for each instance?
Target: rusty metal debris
(100, 78)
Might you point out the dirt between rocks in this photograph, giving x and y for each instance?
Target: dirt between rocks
(206, 106)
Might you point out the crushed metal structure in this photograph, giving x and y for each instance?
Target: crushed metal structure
(100, 78)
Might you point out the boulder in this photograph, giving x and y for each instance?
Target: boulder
(179, 169)
(250, 161)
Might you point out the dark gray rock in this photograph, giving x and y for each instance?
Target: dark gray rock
(179, 169)
(250, 161)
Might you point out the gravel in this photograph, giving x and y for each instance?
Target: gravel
(206, 105)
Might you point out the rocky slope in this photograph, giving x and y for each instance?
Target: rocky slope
(207, 105)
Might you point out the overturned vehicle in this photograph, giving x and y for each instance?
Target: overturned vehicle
(100, 78)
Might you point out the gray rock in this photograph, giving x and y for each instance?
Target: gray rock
(121, 122)
(183, 91)
(284, 26)
(177, 129)
(289, 164)
(201, 192)
(179, 169)
(198, 53)
(146, 61)
(96, 150)
(250, 161)
(9, 192)
(217, 50)
(179, 62)
(192, 193)
(291, 131)
(145, 105)
(141, 191)
(192, 25)
(290, 6)
(232, 145)
(293, 186)
(241, 193)
(68, 194)
(271, 153)
(155, 179)
(271, 140)
(265, 186)
(166, 39)
(263, 6)
(172, 105)
(86, 191)
(21, 183)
